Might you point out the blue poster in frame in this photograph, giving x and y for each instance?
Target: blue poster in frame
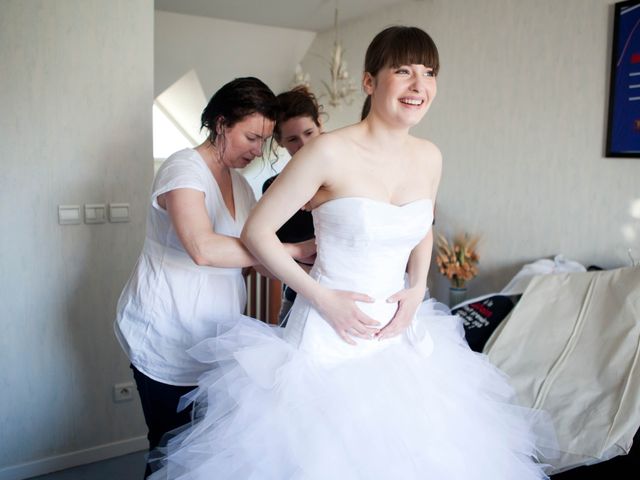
(623, 135)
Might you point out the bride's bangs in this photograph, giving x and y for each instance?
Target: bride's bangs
(397, 46)
(413, 47)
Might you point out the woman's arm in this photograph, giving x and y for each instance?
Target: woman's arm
(188, 214)
(294, 186)
(306, 245)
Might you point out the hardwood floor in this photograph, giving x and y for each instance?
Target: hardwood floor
(126, 467)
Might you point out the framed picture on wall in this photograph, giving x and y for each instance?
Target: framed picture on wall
(623, 130)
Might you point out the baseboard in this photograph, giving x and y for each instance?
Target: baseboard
(73, 459)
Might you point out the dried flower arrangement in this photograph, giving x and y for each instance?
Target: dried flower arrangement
(458, 260)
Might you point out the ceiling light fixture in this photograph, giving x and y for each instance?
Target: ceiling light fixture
(340, 88)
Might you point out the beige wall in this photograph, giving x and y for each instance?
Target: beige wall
(520, 118)
(75, 127)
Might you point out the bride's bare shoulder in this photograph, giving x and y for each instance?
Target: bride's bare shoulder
(328, 147)
(339, 138)
(427, 151)
(428, 160)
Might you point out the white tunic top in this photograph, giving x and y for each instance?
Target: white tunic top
(170, 304)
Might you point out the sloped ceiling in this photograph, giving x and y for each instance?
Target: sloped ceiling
(312, 15)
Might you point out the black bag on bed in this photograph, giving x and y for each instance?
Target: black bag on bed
(481, 318)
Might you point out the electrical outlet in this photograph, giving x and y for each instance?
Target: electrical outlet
(123, 392)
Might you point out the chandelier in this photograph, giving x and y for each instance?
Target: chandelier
(340, 88)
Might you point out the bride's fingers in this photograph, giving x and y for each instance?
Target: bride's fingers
(355, 333)
(361, 297)
(396, 297)
(363, 330)
(360, 316)
(396, 326)
(347, 338)
(389, 331)
(347, 319)
(366, 320)
(357, 330)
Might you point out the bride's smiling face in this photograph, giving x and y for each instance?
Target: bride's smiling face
(401, 94)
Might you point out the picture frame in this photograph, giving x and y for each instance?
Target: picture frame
(623, 129)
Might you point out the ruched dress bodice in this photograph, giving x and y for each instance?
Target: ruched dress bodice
(363, 245)
(367, 243)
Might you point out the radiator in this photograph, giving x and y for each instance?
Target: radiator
(263, 297)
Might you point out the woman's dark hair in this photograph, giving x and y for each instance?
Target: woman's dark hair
(236, 100)
(398, 45)
(297, 102)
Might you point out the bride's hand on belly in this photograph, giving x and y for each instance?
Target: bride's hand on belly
(339, 309)
(408, 301)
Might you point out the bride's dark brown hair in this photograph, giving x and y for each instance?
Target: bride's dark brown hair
(399, 45)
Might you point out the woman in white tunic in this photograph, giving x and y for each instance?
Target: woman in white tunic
(189, 272)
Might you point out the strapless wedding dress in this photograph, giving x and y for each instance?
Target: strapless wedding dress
(301, 404)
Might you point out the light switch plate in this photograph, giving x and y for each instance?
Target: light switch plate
(95, 213)
(118, 212)
(69, 214)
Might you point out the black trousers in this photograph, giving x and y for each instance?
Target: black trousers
(160, 405)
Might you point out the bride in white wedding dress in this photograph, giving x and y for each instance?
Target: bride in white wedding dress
(367, 381)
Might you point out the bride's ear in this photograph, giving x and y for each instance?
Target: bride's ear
(368, 82)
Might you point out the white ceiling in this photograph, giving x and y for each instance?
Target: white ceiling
(312, 15)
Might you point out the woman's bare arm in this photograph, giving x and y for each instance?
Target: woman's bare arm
(189, 217)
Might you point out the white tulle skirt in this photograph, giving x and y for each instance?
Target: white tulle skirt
(269, 411)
